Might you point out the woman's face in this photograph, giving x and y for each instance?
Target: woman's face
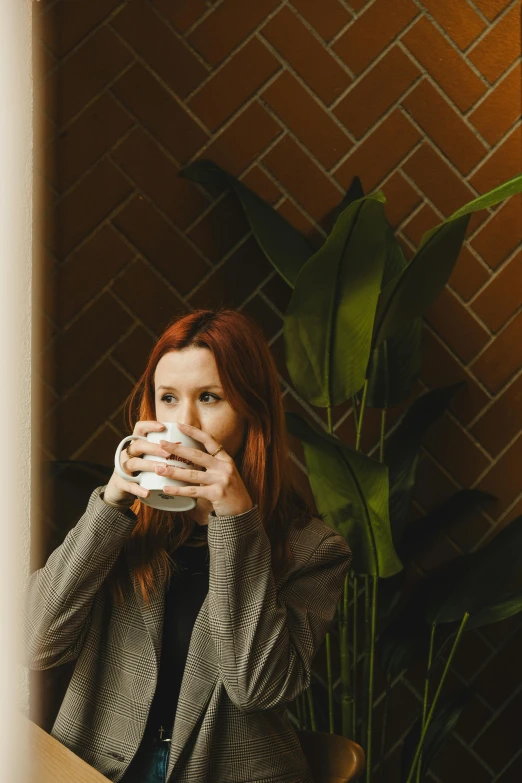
(188, 390)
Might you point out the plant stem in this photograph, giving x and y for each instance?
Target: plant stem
(366, 662)
(383, 430)
(330, 682)
(361, 416)
(384, 727)
(436, 697)
(354, 657)
(346, 685)
(299, 715)
(311, 707)
(426, 690)
(370, 679)
(304, 711)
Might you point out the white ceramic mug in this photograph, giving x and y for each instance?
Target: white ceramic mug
(150, 479)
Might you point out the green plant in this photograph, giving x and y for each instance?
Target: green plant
(352, 332)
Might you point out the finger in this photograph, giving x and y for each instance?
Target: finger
(144, 427)
(131, 488)
(184, 474)
(191, 491)
(140, 446)
(137, 464)
(193, 455)
(135, 489)
(208, 441)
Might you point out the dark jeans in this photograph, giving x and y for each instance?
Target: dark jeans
(149, 765)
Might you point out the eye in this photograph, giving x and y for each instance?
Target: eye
(212, 396)
(165, 396)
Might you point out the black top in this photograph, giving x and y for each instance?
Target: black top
(183, 598)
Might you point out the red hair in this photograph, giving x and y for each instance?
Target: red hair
(250, 381)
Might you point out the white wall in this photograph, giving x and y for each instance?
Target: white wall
(15, 360)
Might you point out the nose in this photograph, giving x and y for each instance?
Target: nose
(186, 412)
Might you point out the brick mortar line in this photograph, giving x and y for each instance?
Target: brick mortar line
(98, 430)
(183, 37)
(446, 98)
(426, 199)
(493, 401)
(493, 149)
(65, 126)
(60, 129)
(249, 166)
(312, 413)
(470, 127)
(212, 5)
(516, 691)
(498, 776)
(243, 43)
(482, 16)
(324, 44)
(83, 175)
(490, 24)
(138, 190)
(368, 134)
(217, 266)
(94, 230)
(64, 396)
(494, 274)
(181, 101)
(396, 42)
(67, 56)
(473, 361)
(311, 155)
(356, 16)
(462, 54)
(493, 87)
(454, 732)
(290, 197)
(67, 325)
(287, 66)
(234, 117)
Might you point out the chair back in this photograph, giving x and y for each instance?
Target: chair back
(331, 757)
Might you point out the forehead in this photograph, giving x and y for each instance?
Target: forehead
(189, 365)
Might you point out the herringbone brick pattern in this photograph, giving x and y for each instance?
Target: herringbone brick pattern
(418, 97)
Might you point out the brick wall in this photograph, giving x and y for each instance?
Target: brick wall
(421, 99)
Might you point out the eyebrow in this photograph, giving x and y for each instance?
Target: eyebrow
(200, 388)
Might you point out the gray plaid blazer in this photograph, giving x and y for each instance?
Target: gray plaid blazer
(250, 653)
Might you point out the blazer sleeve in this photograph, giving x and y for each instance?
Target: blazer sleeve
(265, 641)
(58, 597)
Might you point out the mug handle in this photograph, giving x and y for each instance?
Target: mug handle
(117, 466)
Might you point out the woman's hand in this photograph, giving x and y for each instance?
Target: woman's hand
(125, 492)
(221, 483)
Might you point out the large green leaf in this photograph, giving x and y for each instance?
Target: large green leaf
(497, 610)
(329, 321)
(412, 292)
(476, 581)
(395, 364)
(354, 192)
(418, 534)
(443, 722)
(284, 246)
(402, 449)
(352, 490)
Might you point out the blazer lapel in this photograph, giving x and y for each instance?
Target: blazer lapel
(152, 617)
(198, 683)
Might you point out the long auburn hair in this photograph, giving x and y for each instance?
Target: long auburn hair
(250, 381)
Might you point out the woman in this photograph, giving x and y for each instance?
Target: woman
(193, 631)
